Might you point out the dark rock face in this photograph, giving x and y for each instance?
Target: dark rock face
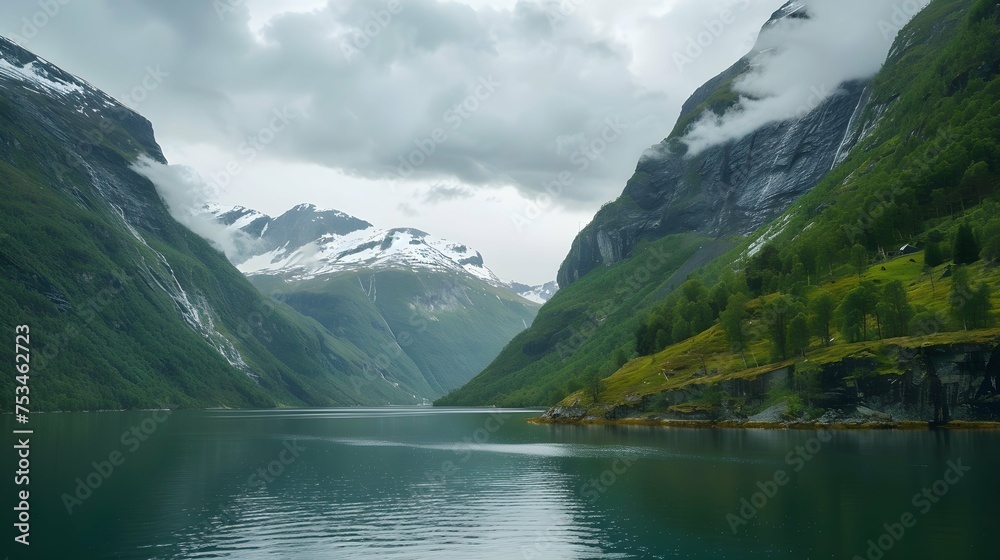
(74, 91)
(90, 131)
(565, 413)
(305, 224)
(728, 189)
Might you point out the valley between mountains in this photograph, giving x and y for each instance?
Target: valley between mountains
(836, 264)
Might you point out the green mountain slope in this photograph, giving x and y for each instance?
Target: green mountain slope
(929, 170)
(583, 326)
(924, 162)
(126, 307)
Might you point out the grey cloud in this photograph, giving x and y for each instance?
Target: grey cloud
(363, 115)
(561, 83)
(407, 209)
(798, 63)
(186, 197)
(367, 115)
(445, 193)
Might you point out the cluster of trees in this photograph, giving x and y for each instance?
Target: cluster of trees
(988, 239)
(968, 245)
(790, 321)
(867, 310)
(686, 312)
(969, 306)
(802, 313)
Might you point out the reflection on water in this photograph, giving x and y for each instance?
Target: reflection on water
(429, 483)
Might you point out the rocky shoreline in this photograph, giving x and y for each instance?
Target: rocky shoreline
(862, 419)
(955, 386)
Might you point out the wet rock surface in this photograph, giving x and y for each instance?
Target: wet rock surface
(729, 189)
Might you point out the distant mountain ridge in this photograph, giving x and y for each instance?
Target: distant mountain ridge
(307, 241)
(419, 304)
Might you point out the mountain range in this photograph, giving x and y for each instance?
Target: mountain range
(428, 308)
(308, 241)
(833, 259)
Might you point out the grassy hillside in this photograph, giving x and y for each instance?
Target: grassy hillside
(684, 364)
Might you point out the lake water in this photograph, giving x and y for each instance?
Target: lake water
(429, 483)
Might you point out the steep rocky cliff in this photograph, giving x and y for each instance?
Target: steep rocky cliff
(728, 189)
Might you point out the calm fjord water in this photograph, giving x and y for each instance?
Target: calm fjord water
(421, 483)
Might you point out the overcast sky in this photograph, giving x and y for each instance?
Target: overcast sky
(451, 117)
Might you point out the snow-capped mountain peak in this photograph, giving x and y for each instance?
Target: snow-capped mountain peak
(795, 9)
(240, 218)
(24, 75)
(40, 75)
(307, 242)
(538, 294)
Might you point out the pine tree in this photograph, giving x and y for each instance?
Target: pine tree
(991, 241)
(932, 254)
(681, 330)
(970, 307)
(662, 340)
(719, 299)
(966, 247)
(961, 296)
(859, 259)
(733, 321)
(854, 311)
(593, 383)
(777, 317)
(894, 309)
(980, 310)
(620, 358)
(822, 308)
(798, 335)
